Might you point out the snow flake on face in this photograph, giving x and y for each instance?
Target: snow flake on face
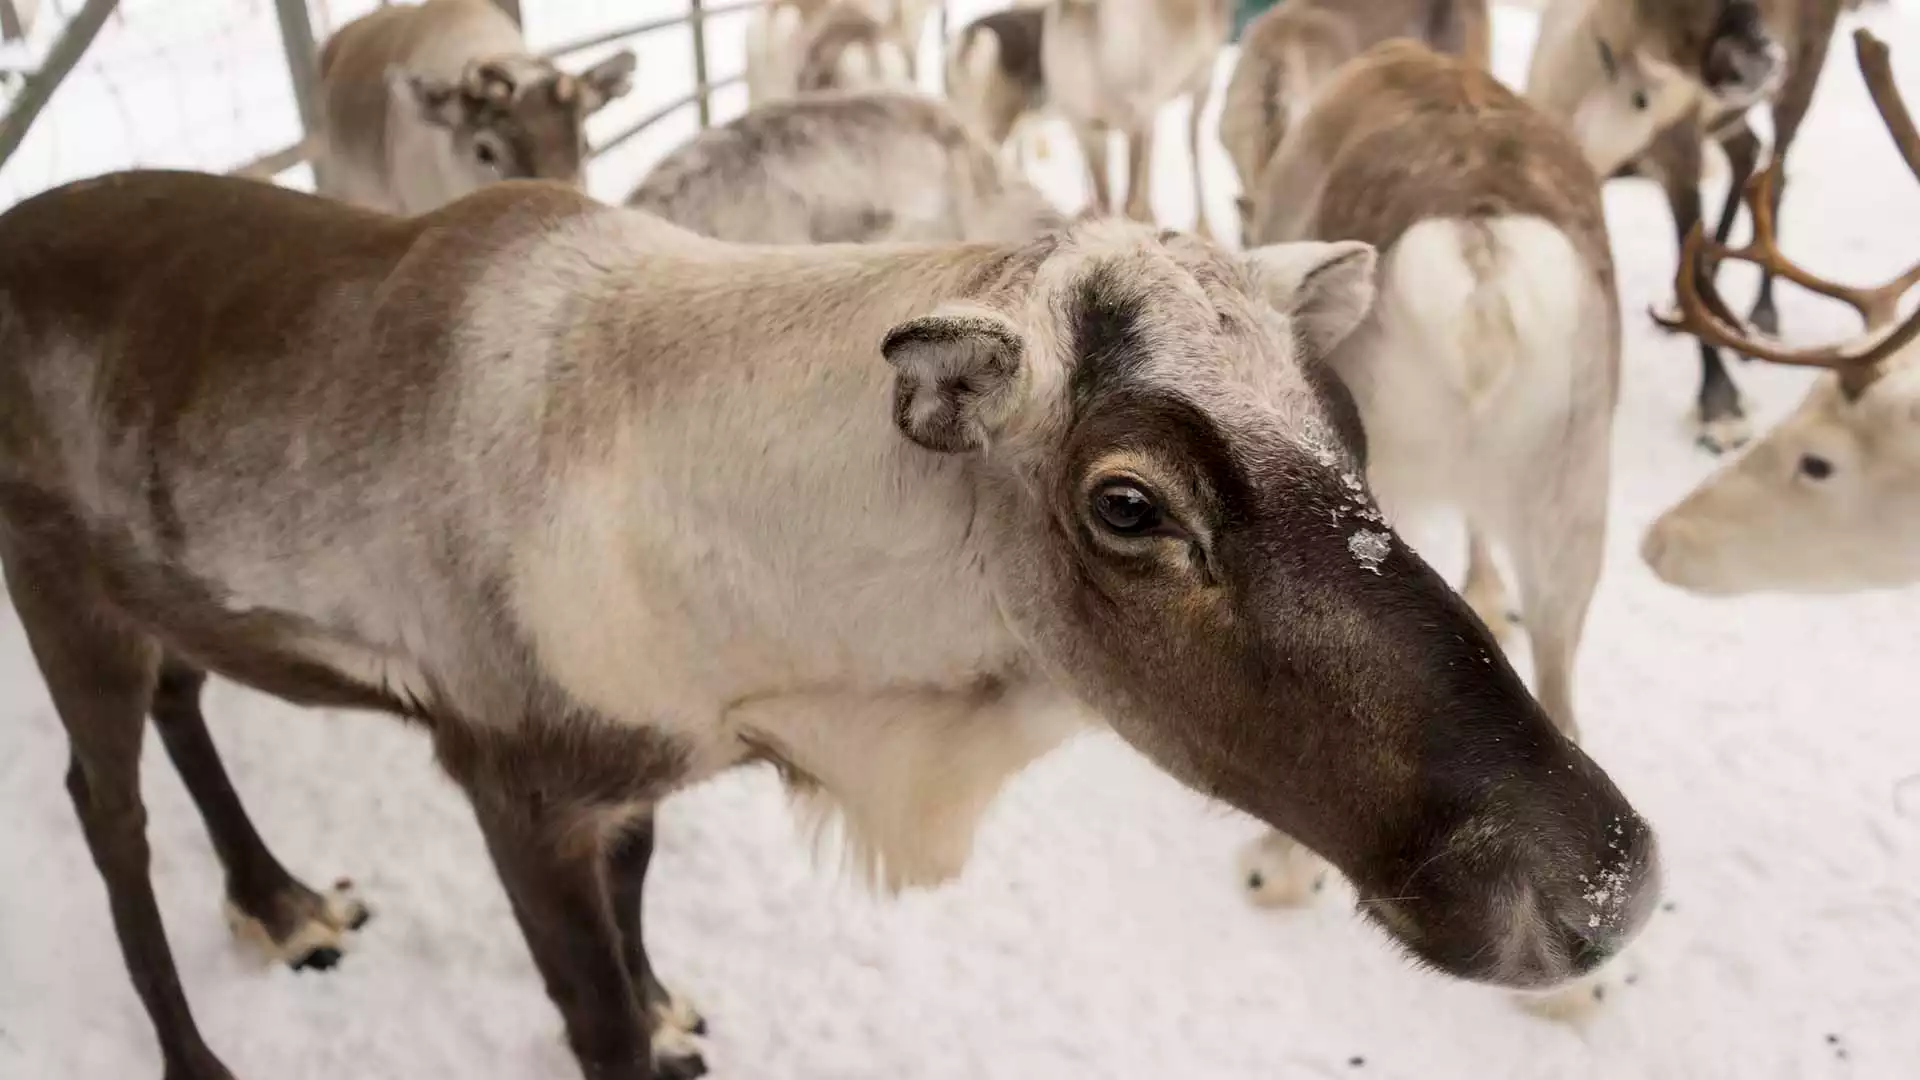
(1370, 548)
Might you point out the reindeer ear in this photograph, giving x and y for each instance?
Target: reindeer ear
(957, 374)
(607, 80)
(438, 100)
(1326, 289)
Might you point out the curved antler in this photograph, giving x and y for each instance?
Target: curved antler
(1705, 315)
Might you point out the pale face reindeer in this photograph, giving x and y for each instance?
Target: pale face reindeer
(609, 508)
(426, 103)
(1828, 500)
(1487, 372)
(1111, 65)
(1645, 82)
(797, 47)
(845, 168)
(1290, 51)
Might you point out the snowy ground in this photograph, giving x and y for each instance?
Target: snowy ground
(1775, 742)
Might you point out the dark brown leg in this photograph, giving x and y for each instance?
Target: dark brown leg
(1743, 155)
(555, 878)
(1789, 110)
(100, 672)
(1675, 160)
(300, 926)
(673, 1021)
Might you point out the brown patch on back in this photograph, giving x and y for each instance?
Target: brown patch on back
(1408, 134)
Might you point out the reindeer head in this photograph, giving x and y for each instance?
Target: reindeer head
(1170, 507)
(1632, 68)
(1829, 499)
(517, 117)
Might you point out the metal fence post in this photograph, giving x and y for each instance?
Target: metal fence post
(303, 64)
(697, 23)
(41, 84)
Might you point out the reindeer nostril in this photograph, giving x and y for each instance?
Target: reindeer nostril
(1587, 945)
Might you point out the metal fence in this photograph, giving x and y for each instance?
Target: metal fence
(32, 81)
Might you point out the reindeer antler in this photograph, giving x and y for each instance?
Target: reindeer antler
(1705, 315)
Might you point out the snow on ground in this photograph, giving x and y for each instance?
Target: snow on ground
(1774, 741)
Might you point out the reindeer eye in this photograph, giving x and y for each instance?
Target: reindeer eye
(484, 153)
(1640, 101)
(1815, 467)
(1126, 509)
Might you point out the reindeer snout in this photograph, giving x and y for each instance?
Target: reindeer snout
(1578, 920)
(1531, 893)
(1665, 548)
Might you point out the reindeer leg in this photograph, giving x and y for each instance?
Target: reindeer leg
(1279, 871)
(1140, 173)
(1485, 591)
(559, 898)
(674, 1021)
(1202, 93)
(1558, 549)
(1094, 139)
(267, 905)
(101, 673)
(1675, 159)
(1789, 110)
(1743, 156)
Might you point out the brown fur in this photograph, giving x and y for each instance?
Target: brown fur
(1411, 135)
(1289, 51)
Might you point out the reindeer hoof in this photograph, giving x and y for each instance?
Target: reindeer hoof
(1719, 435)
(301, 928)
(676, 1013)
(676, 1056)
(1278, 872)
(323, 958)
(676, 1027)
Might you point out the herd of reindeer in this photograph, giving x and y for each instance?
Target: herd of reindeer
(841, 449)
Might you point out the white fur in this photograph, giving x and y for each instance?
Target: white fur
(1469, 360)
(1482, 380)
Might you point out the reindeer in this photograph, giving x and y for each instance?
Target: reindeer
(427, 102)
(1487, 372)
(1828, 500)
(1112, 64)
(845, 168)
(994, 76)
(1289, 52)
(608, 507)
(809, 46)
(1645, 84)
